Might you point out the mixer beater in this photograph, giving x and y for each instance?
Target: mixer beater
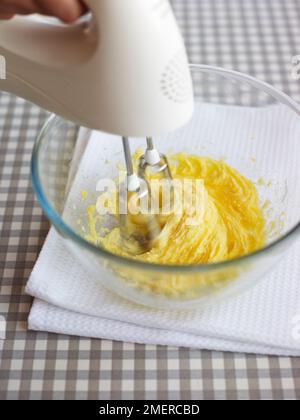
(139, 227)
(154, 161)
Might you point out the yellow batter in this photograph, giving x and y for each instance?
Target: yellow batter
(233, 223)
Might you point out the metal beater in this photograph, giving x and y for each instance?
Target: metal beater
(139, 227)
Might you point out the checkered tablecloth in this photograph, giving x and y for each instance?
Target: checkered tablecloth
(254, 36)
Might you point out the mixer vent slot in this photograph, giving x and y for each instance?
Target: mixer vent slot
(175, 82)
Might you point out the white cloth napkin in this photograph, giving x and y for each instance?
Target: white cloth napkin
(262, 320)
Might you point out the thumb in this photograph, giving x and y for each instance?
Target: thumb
(6, 16)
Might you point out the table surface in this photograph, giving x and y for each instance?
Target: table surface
(257, 37)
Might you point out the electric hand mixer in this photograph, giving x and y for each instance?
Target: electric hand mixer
(124, 71)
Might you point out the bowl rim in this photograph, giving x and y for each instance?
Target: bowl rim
(68, 233)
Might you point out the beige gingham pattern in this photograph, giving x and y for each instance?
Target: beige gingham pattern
(254, 36)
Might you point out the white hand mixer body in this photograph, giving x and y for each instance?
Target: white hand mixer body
(124, 70)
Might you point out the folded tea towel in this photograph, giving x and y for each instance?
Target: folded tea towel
(263, 320)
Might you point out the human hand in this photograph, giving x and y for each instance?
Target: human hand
(66, 10)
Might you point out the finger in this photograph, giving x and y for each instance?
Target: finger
(17, 7)
(66, 10)
(4, 16)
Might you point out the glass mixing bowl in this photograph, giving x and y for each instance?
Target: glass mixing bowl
(251, 125)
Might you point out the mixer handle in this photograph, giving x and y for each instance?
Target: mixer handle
(110, 72)
(48, 42)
